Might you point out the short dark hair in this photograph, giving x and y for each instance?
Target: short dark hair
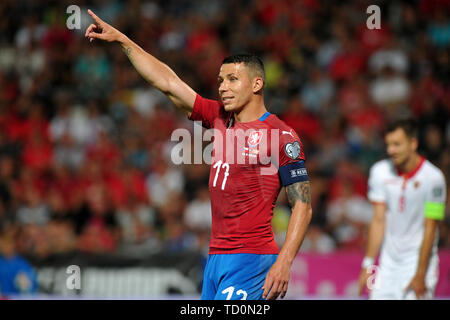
(250, 60)
(408, 125)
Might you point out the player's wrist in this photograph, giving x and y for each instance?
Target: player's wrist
(122, 39)
(367, 262)
(285, 258)
(420, 273)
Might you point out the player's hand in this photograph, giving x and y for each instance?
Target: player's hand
(362, 282)
(101, 30)
(418, 285)
(277, 281)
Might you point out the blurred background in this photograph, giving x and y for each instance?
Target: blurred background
(86, 177)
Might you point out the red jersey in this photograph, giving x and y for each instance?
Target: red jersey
(243, 183)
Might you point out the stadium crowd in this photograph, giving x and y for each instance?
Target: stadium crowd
(85, 148)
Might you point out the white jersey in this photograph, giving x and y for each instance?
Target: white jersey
(406, 197)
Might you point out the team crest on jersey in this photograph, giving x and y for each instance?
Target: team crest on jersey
(254, 139)
(416, 184)
(292, 150)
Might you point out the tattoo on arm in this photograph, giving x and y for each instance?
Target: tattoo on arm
(299, 191)
(127, 50)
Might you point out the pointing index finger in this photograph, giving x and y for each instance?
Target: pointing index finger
(94, 16)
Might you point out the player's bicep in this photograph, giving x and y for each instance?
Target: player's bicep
(295, 178)
(379, 212)
(299, 192)
(181, 94)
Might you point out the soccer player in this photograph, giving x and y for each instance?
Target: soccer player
(244, 261)
(408, 194)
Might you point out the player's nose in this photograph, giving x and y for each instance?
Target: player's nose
(390, 150)
(223, 87)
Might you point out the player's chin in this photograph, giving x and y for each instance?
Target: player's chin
(229, 107)
(233, 107)
(396, 159)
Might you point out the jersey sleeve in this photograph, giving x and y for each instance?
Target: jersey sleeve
(292, 167)
(436, 198)
(206, 111)
(376, 188)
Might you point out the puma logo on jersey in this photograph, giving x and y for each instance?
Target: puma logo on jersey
(288, 132)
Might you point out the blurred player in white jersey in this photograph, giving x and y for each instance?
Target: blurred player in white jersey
(408, 194)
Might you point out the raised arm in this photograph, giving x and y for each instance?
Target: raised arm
(151, 69)
(277, 279)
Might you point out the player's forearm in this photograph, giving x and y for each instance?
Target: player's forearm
(426, 247)
(299, 197)
(151, 69)
(297, 227)
(154, 71)
(376, 233)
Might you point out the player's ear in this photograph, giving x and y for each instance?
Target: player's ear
(414, 143)
(258, 84)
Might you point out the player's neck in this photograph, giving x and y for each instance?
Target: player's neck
(412, 164)
(252, 111)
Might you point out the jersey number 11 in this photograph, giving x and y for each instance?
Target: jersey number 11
(221, 165)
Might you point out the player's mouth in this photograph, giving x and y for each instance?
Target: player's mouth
(227, 100)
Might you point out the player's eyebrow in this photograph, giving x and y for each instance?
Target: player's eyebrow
(232, 74)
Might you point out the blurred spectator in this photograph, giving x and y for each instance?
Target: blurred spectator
(391, 91)
(7, 176)
(198, 213)
(37, 154)
(389, 56)
(163, 181)
(61, 235)
(439, 29)
(348, 218)
(178, 238)
(34, 210)
(390, 88)
(136, 221)
(99, 228)
(68, 154)
(197, 217)
(348, 62)
(280, 220)
(305, 123)
(33, 241)
(348, 175)
(93, 72)
(318, 241)
(433, 144)
(318, 92)
(16, 274)
(32, 31)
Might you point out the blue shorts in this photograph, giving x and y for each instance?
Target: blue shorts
(238, 276)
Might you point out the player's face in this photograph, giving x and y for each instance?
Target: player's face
(235, 86)
(400, 147)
